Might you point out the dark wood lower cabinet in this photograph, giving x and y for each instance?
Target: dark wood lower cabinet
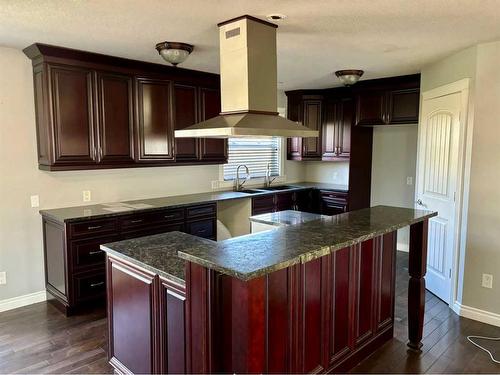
(75, 264)
(325, 315)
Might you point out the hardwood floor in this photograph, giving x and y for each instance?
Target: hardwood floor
(39, 339)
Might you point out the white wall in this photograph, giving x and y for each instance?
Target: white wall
(393, 160)
(333, 172)
(482, 253)
(483, 234)
(20, 225)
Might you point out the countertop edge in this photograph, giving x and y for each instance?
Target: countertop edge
(146, 266)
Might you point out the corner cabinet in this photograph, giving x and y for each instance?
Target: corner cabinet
(308, 110)
(96, 111)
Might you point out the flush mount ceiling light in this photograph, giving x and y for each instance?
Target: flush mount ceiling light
(174, 52)
(349, 76)
(276, 17)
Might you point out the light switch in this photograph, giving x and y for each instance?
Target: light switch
(35, 201)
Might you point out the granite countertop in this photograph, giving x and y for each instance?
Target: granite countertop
(255, 255)
(78, 213)
(287, 217)
(158, 253)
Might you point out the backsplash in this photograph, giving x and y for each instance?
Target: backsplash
(327, 172)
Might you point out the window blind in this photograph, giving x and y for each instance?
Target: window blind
(255, 153)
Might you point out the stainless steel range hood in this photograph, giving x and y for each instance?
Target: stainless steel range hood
(248, 86)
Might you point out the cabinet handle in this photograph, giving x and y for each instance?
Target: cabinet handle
(202, 231)
(96, 284)
(136, 221)
(94, 227)
(169, 216)
(95, 252)
(100, 153)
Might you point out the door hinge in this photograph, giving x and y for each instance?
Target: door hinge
(454, 196)
(449, 273)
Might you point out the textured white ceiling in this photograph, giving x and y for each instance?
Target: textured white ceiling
(384, 38)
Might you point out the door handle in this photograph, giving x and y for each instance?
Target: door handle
(420, 203)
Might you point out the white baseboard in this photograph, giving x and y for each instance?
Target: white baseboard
(477, 314)
(27, 299)
(400, 246)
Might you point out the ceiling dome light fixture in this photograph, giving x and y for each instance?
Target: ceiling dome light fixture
(276, 17)
(174, 52)
(349, 76)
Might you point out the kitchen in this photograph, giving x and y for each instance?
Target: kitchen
(173, 183)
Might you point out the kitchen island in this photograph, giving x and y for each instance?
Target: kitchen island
(317, 296)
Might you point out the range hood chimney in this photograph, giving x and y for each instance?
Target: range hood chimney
(248, 86)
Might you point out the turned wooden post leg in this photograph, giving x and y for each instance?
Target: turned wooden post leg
(416, 287)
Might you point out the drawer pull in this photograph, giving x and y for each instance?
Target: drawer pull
(169, 216)
(136, 221)
(95, 252)
(94, 227)
(94, 285)
(202, 231)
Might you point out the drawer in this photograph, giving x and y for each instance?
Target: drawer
(202, 210)
(152, 231)
(202, 228)
(264, 204)
(339, 195)
(149, 219)
(93, 227)
(87, 253)
(89, 285)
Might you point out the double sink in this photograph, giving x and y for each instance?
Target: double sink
(267, 189)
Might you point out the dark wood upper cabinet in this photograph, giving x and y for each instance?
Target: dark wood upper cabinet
(116, 118)
(371, 108)
(186, 114)
(73, 118)
(211, 149)
(313, 119)
(336, 132)
(403, 106)
(155, 131)
(99, 111)
(307, 110)
(388, 101)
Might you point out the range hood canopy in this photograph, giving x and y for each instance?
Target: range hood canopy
(248, 65)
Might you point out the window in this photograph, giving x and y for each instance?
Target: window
(255, 153)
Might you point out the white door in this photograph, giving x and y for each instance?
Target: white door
(437, 178)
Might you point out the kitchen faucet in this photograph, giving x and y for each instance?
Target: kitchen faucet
(238, 185)
(267, 179)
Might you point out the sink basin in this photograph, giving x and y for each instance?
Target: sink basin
(278, 187)
(250, 191)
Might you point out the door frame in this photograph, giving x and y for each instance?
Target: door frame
(463, 179)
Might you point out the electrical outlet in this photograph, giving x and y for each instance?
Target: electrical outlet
(215, 185)
(3, 278)
(86, 196)
(35, 201)
(487, 281)
(409, 181)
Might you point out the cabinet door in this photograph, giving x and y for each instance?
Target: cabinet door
(311, 147)
(73, 115)
(386, 255)
(371, 108)
(344, 124)
(131, 317)
(330, 130)
(403, 106)
(294, 145)
(263, 204)
(211, 149)
(185, 114)
(155, 132)
(340, 305)
(285, 201)
(365, 285)
(115, 118)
